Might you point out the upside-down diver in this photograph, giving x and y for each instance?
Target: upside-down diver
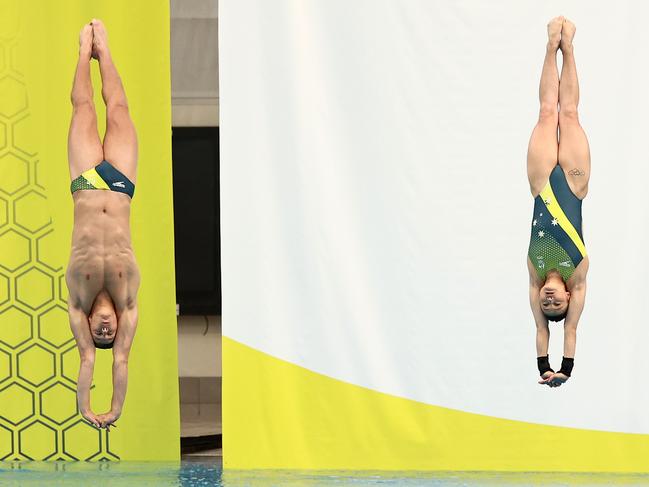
(558, 169)
(102, 274)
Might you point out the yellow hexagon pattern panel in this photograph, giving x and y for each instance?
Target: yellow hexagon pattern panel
(39, 417)
(3, 136)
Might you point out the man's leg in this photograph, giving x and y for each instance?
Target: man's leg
(574, 153)
(120, 141)
(84, 145)
(543, 147)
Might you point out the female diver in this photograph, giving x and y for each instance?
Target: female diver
(558, 169)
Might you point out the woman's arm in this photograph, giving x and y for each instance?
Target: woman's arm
(542, 329)
(541, 321)
(577, 299)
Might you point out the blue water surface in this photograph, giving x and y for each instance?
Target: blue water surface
(209, 473)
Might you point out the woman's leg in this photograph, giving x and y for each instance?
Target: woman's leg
(120, 141)
(84, 145)
(574, 153)
(542, 153)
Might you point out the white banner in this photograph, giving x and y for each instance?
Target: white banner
(376, 210)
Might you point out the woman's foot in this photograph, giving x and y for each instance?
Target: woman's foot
(100, 40)
(85, 41)
(567, 35)
(554, 32)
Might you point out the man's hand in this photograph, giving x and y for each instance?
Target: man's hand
(553, 379)
(91, 417)
(108, 419)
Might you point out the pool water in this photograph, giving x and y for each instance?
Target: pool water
(195, 474)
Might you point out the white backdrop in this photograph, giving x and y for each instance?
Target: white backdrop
(375, 205)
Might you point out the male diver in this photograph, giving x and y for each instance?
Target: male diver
(558, 169)
(102, 274)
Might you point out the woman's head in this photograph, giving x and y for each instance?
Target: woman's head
(554, 299)
(103, 323)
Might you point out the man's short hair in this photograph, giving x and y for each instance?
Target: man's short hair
(104, 346)
(560, 317)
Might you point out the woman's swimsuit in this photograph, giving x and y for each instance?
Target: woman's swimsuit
(556, 241)
(103, 176)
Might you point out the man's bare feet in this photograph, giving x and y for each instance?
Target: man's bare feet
(100, 39)
(567, 35)
(554, 31)
(85, 41)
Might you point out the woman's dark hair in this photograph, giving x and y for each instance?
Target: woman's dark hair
(560, 317)
(103, 345)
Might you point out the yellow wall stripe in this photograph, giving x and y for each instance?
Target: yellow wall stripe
(547, 195)
(279, 415)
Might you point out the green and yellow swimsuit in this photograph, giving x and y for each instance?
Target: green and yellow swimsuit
(556, 241)
(103, 176)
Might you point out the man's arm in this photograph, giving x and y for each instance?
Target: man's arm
(126, 326)
(81, 332)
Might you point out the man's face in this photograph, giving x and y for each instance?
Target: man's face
(103, 324)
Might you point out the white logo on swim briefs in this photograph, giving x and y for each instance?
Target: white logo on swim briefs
(119, 184)
(565, 263)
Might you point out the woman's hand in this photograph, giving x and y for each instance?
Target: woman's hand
(91, 417)
(553, 379)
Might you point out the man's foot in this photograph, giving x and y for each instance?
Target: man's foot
(85, 41)
(100, 39)
(567, 35)
(554, 32)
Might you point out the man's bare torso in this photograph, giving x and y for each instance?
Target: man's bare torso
(101, 255)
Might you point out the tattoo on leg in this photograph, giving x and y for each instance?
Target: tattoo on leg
(577, 172)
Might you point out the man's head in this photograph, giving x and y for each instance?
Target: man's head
(103, 323)
(554, 300)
